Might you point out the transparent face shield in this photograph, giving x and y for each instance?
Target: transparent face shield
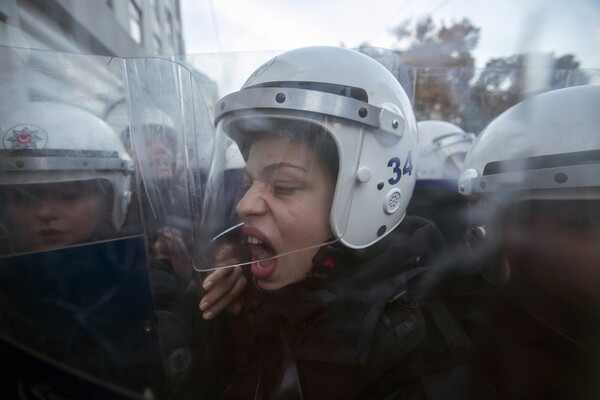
(171, 140)
(269, 194)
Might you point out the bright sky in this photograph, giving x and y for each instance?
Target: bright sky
(507, 26)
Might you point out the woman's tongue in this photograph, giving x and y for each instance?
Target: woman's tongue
(263, 268)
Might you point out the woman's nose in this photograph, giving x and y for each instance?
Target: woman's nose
(252, 203)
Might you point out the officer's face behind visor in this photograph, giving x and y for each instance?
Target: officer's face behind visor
(54, 215)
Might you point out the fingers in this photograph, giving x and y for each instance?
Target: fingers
(172, 241)
(224, 289)
(171, 246)
(217, 276)
(225, 255)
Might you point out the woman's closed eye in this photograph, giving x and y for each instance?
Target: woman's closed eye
(285, 188)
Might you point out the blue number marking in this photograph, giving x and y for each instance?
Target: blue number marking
(408, 165)
(395, 163)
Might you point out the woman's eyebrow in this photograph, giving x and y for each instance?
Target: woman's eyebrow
(270, 169)
(276, 166)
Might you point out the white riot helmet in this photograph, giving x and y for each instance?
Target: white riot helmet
(365, 111)
(150, 131)
(443, 147)
(544, 148)
(118, 117)
(44, 142)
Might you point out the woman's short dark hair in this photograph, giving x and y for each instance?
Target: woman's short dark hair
(313, 135)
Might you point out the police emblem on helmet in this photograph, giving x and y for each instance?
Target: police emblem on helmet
(25, 137)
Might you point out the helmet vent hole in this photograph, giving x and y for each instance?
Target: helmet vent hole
(482, 184)
(381, 230)
(380, 186)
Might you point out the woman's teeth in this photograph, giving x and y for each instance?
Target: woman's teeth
(254, 240)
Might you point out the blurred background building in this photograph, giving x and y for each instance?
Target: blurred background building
(72, 50)
(103, 27)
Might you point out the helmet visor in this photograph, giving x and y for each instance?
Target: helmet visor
(270, 192)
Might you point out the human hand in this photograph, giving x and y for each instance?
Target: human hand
(224, 287)
(170, 246)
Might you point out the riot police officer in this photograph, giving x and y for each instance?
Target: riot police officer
(442, 147)
(533, 181)
(66, 276)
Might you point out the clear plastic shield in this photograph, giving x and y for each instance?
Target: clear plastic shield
(76, 304)
(172, 138)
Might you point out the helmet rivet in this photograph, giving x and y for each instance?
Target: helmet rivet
(482, 184)
(380, 185)
(560, 177)
(20, 164)
(362, 112)
(395, 124)
(381, 230)
(280, 97)
(363, 174)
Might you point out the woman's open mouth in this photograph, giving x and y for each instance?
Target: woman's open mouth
(263, 257)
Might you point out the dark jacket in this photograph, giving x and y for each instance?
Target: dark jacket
(353, 329)
(532, 347)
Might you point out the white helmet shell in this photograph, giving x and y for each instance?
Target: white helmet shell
(545, 147)
(118, 117)
(44, 142)
(438, 141)
(369, 117)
